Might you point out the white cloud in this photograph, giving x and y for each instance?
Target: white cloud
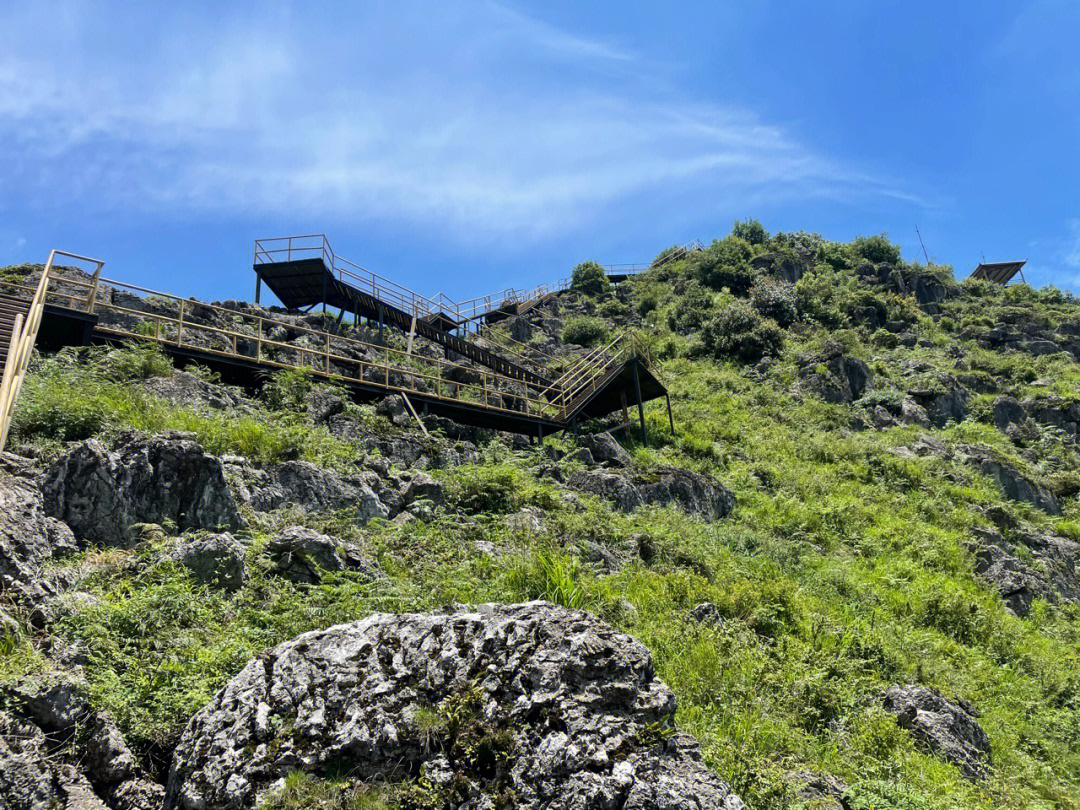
(461, 124)
(1072, 244)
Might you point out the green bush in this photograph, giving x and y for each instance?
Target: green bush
(775, 299)
(750, 230)
(818, 296)
(584, 330)
(740, 332)
(877, 249)
(589, 278)
(288, 389)
(138, 361)
(726, 264)
(691, 309)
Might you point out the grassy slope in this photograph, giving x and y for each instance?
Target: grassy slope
(843, 569)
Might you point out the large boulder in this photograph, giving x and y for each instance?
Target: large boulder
(605, 449)
(161, 479)
(92, 768)
(549, 706)
(28, 538)
(307, 486)
(943, 401)
(696, 493)
(834, 376)
(215, 559)
(947, 729)
(1012, 482)
(302, 555)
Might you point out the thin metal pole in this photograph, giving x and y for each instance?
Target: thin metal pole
(258, 287)
(640, 405)
(670, 418)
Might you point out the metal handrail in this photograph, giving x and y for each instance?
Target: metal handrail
(171, 330)
(24, 336)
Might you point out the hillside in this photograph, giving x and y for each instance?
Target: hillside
(853, 562)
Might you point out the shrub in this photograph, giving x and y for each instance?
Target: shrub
(751, 230)
(691, 309)
(877, 249)
(589, 278)
(818, 296)
(584, 330)
(726, 263)
(138, 361)
(740, 332)
(288, 389)
(475, 488)
(775, 299)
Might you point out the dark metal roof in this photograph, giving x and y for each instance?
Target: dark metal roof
(998, 272)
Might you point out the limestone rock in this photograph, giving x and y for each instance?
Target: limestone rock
(945, 728)
(834, 376)
(100, 494)
(216, 559)
(26, 779)
(307, 486)
(28, 538)
(184, 388)
(109, 761)
(1013, 483)
(606, 450)
(699, 494)
(568, 707)
(302, 555)
(946, 400)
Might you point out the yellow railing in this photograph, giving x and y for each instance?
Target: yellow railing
(24, 335)
(217, 331)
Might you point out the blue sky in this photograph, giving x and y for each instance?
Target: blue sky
(463, 147)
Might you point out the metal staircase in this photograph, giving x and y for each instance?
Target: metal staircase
(303, 271)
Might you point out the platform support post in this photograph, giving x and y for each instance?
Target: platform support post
(324, 294)
(670, 418)
(258, 287)
(640, 405)
(380, 321)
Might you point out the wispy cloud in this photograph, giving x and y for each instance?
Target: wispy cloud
(453, 124)
(1071, 253)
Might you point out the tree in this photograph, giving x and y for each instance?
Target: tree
(590, 278)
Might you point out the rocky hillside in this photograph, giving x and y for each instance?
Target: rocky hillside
(847, 579)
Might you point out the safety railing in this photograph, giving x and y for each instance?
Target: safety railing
(216, 331)
(464, 313)
(24, 336)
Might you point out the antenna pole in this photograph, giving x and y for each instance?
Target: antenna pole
(922, 246)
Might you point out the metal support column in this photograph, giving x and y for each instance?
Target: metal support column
(670, 418)
(324, 294)
(640, 405)
(258, 287)
(380, 321)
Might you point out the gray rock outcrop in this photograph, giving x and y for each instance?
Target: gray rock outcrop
(567, 712)
(1012, 482)
(189, 390)
(216, 560)
(605, 449)
(302, 555)
(307, 486)
(167, 478)
(696, 493)
(28, 539)
(55, 751)
(834, 376)
(947, 729)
